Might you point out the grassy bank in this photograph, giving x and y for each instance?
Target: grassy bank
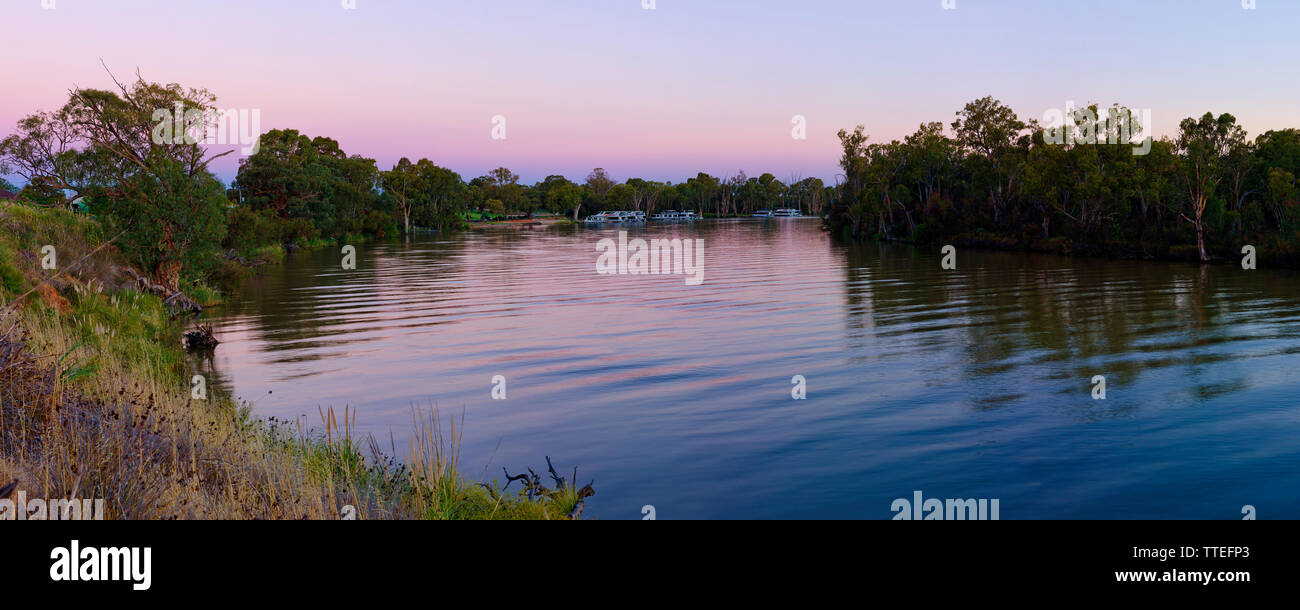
(96, 402)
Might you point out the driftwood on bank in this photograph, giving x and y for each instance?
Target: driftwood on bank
(583, 493)
(200, 338)
(533, 487)
(176, 301)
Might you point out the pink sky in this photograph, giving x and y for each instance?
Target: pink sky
(661, 94)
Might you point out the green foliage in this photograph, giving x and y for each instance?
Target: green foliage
(169, 220)
(309, 184)
(43, 194)
(556, 194)
(247, 230)
(11, 279)
(998, 181)
(25, 229)
(116, 150)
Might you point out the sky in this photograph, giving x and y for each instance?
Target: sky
(659, 93)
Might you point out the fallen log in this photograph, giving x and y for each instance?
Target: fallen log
(534, 489)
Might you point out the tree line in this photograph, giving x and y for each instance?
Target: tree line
(172, 216)
(1095, 183)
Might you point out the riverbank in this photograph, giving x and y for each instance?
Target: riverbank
(96, 401)
(522, 223)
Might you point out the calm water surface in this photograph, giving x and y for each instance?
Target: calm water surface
(972, 383)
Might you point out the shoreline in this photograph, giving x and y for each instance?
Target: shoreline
(137, 427)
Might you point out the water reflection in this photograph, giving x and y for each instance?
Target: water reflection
(965, 383)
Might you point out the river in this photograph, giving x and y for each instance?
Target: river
(968, 383)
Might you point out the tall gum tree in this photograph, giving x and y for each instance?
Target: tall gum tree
(146, 174)
(1205, 145)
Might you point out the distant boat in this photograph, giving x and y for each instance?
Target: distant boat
(626, 217)
(674, 216)
(597, 219)
(787, 213)
(762, 214)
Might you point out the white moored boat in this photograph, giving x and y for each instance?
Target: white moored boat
(787, 213)
(627, 217)
(674, 216)
(762, 214)
(597, 219)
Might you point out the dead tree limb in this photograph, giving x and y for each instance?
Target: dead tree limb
(510, 479)
(583, 494)
(536, 491)
(559, 480)
(176, 301)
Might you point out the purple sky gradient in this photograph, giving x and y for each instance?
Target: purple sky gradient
(693, 85)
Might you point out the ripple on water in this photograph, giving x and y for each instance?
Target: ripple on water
(972, 383)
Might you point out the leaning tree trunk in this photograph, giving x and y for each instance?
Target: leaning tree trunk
(169, 275)
(174, 299)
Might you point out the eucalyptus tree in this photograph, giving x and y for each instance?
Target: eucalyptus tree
(852, 207)
(148, 180)
(403, 184)
(312, 185)
(1205, 145)
(621, 197)
(503, 185)
(559, 194)
(731, 193)
(597, 189)
(931, 163)
(442, 194)
(997, 143)
(703, 189)
(1276, 166)
(773, 191)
